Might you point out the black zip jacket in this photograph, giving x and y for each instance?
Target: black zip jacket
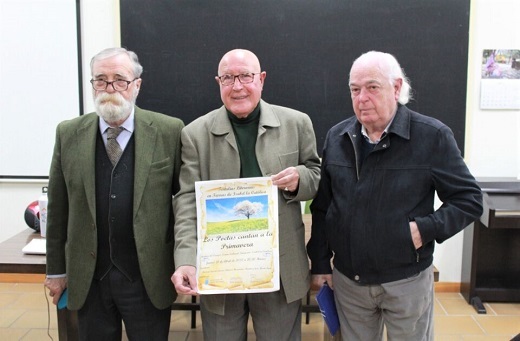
(361, 215)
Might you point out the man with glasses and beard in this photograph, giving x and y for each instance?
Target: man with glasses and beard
(110, 220)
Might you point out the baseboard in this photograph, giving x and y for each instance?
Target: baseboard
(447, 287)
(21, 278)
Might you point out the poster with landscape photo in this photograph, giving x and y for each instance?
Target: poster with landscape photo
(237, 230)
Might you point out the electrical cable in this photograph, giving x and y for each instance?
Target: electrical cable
(48, 314)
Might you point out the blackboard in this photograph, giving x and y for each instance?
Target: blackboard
(306, 47)
(40, 86)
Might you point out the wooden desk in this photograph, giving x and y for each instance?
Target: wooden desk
(13, 260)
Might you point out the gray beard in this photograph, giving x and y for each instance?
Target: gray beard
(113, 108)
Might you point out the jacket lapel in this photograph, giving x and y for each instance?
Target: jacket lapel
(222, 126)
(225, 161)
(267, 119)
(87, 136)
(145, 136)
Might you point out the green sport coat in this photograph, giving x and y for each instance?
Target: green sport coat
(71, 225)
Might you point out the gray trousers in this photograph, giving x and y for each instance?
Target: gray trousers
(404, 307)
(273, 318)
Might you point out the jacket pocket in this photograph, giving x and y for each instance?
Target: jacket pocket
(395, 245)
(288, 160)
(158, 165)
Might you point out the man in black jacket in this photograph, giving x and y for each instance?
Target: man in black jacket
(374, 210)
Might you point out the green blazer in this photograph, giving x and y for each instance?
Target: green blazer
(209, 152)
(71, 226)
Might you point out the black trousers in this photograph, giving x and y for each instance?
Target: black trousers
(114, 299)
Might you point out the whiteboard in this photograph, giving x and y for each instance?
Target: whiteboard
(39, 81)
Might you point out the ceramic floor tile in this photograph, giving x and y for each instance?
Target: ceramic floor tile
(33, 300)
(178, 336)
(181, 321)
(316, 336)
(7, 299)
(23, 316)
(173, 336)
(36, 319)
(39, 335)
(457, 307)
(9, 334)
(6, 286)
(505, 308)
(28, 287)
(499, 325)
(9, 316)
(457, 325)
(438, 309)
(447, 338)
(196, 336)
(485, 338)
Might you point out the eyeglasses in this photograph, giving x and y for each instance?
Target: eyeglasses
(117, 85)
(243, 78)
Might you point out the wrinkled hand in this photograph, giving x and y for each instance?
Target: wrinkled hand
(416, 235)
(185, 281)
(56, 287)
(287, 180)
(318, 280)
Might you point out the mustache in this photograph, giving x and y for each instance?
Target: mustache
(114, 99)
(113, 108)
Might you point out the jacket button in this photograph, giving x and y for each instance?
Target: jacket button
(113, 196)
(356, 277)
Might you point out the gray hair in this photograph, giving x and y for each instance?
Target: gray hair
(114, 51)
(389, 66)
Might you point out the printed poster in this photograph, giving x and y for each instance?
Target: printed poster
(237, 230)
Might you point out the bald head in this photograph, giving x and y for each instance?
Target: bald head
(242, 96)
(233, 57)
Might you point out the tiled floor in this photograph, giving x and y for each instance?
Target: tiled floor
(24, 316)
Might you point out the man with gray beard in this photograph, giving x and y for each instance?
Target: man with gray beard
(110, 220)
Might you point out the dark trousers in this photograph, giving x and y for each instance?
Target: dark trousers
(115, 298)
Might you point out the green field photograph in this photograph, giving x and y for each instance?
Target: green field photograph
(234, 215)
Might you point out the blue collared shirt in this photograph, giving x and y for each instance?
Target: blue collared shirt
(125, 135)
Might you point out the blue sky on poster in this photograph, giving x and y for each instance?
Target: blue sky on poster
(221, 209)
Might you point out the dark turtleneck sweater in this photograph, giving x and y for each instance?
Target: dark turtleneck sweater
(246, 131)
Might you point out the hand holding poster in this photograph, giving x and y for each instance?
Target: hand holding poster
(237, 230)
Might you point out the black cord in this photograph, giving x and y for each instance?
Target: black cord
(48, 314)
